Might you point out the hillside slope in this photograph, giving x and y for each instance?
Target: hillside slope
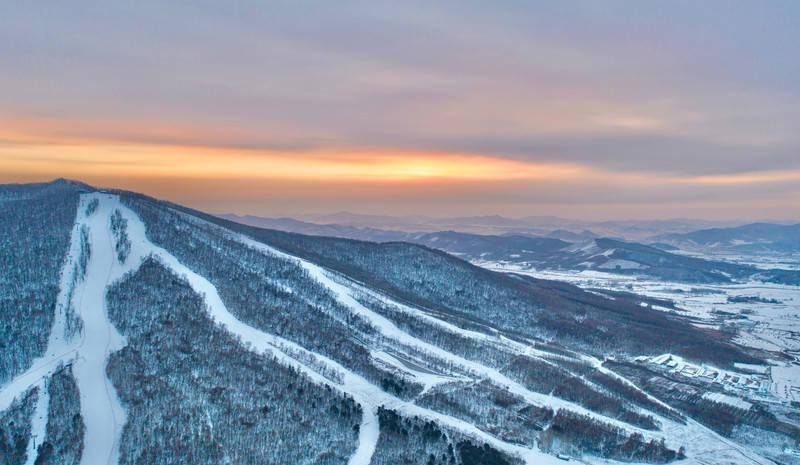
(205, 341)
(559, 251)
(749, 238)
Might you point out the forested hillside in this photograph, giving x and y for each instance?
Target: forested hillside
(178, 338)
(35, 225)
(440, 282)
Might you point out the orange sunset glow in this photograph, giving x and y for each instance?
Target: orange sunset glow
(96, 161)
(273, 117)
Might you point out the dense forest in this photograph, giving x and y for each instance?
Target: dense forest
(35, 226)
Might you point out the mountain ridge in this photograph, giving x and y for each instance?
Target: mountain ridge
(751, 237)
(550, 253)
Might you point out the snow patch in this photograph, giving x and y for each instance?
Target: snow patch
(726, 399)
(621, 264)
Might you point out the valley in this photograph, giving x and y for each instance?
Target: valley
(761, 316)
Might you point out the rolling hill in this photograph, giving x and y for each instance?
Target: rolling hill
(750, 238)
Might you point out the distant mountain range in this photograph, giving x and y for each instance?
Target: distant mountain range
(530, 225)
(558, 250)
(326, 229)
(551, 226)
(749, 238)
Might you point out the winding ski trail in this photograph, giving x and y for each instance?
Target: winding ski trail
(290, 354)
(102, 413)
(59, 348)
(345, 295)
(697, 437)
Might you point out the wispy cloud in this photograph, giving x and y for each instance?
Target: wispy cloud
(619, 102)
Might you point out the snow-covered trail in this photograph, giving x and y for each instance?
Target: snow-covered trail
(59, 349)
(101, 408)
(497, 339)
(38, 423)
(428, 379)
(345, 296)
(30, 378)
(696, 437)
(693, 435)
(338, 377)
(368, 434)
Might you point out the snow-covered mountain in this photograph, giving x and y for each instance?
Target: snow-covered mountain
(344, 224)
(749, 238)
(630, 258)
(560, 250)
(141, 332)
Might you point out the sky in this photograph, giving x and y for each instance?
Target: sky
(581, 109)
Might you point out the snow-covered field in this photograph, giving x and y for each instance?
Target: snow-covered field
(764, 261)
(730, 400)
(765, 316)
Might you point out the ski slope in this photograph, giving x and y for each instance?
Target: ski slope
(38, 423)
(387, 328)
(706, 446)
(333, 374)
(88, 353)
(101, 408)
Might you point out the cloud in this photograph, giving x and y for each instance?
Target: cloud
(683, 94)
(653, 153)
